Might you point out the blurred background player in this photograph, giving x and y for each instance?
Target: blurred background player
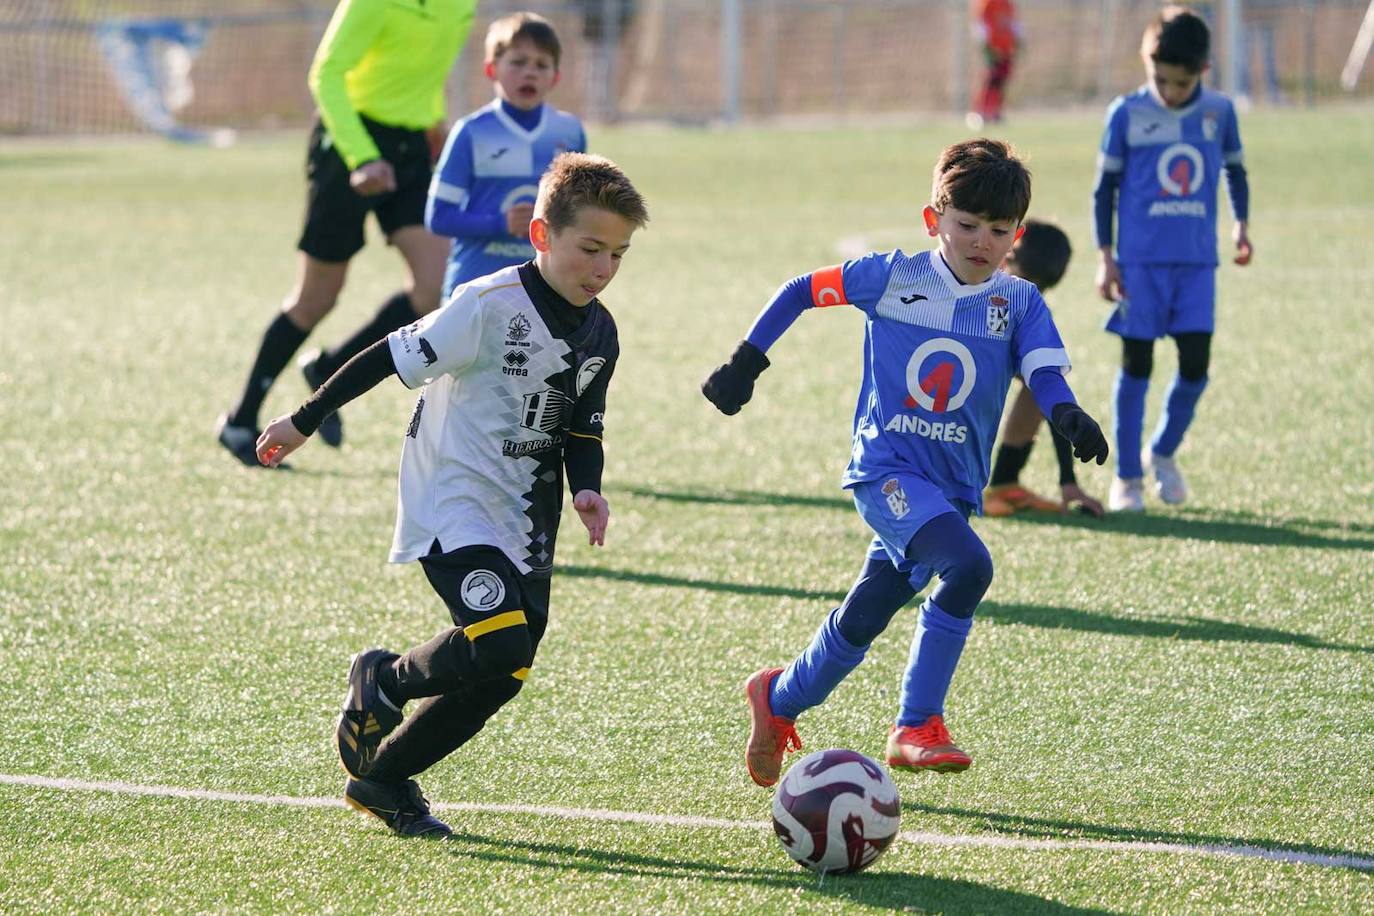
(1040, 255)
(378, 83)
(1162, 155)
(481, 484)
(1000, 34)
(482, 195)
(946, 330)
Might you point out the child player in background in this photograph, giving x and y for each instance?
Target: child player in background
(1040, 255)
(1000, 34)
(482, 195)
(1163, 153)
(946, 330)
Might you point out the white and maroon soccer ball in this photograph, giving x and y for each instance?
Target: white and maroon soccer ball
(836, 811)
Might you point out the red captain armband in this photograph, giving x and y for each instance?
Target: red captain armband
(827, 287)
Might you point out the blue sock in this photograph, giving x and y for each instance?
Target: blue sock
(1179, 405)
(1129, 421)
(935, 654)
(813, 674)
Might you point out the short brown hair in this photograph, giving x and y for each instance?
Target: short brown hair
(982, 177)
(577, 180)
(531, 27)
(1177, 36)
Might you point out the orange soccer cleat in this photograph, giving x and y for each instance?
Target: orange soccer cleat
(770, 736)
(925, 748)
(1010, 498)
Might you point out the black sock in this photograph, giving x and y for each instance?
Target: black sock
(280, 342)
(438, 727)
(396, 312)
(1010, 460)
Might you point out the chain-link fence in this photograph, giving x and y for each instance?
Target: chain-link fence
(180, 66)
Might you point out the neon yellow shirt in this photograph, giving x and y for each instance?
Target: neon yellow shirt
(387, 59)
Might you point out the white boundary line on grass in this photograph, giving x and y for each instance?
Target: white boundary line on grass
(1294, 857)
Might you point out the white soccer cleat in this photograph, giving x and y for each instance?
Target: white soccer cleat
(1127, 494)
(1169, 484)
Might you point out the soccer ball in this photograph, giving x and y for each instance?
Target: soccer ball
(836, 811)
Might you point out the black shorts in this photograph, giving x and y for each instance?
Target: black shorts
(479, 582)
(335, 213)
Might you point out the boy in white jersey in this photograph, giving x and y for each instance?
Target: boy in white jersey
(515, 368)
(946, 332)
(482, 193)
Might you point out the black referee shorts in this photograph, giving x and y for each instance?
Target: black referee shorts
(479, 583)
(335, 213)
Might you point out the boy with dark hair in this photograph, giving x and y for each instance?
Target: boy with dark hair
(946, 330)
(1163, 152)
(1041, 255)
(378, 81)
(515, 368)
(482, 192)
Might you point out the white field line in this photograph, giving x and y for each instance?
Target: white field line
(1295, 857)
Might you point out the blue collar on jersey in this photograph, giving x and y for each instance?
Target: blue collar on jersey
(526, 118)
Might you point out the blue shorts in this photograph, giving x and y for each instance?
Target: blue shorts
(896, 507)
(1165, 299)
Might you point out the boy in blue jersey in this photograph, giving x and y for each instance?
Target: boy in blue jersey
(482, 194)
(1163, 152)
(946, 331)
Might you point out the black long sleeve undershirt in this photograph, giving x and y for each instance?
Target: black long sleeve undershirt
(359, 375)
(584, 459)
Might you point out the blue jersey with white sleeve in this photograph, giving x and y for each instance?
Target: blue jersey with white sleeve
(489, 164)
(1166, 164)
(939, 356)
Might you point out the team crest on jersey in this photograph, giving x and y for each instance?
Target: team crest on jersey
(587, 372)
(1209, 126)
(517, 331)
(896, 498)
(483, 590)
(999, 310)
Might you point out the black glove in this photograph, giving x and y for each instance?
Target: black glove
(732, 385)
(1082, 430)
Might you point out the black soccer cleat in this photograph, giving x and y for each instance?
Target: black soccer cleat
(366, 718)
(239, 441)
(399, 804)
(331, 427)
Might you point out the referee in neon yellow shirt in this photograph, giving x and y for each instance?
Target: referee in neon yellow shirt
(378, 82)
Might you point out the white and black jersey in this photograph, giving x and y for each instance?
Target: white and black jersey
(510, 370)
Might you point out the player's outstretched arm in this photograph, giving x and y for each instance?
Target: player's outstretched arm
(595, 514)
(731, 385)
(360, 374)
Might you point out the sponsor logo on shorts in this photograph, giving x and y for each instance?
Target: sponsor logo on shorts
(483, 590)
(896, 498)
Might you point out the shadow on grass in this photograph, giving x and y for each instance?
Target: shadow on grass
(1050, 828)
(877, 888)
(1230, 527)
(1199, 629)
